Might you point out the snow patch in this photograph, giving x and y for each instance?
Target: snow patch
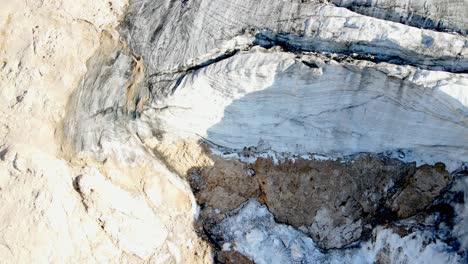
(253, 232)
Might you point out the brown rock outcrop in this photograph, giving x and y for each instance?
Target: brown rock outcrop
(337, 202)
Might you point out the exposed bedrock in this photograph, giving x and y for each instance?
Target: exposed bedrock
(448, 15)
(336, 202)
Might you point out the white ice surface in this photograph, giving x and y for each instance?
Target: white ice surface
(272, 97)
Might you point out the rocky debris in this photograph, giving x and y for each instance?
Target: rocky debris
(181, 155)
(252, 231)
(427, 183)
(224, 186)
(341, 202)
(232, 257)
(336, 202)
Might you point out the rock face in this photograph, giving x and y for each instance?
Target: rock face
(270, 131)
(336, 202)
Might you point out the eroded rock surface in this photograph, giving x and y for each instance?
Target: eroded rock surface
(339, 203)
(336, 202)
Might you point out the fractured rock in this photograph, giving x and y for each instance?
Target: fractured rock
(232, 257)
(337, 202)
(340, 202)
(225, 185)
(426, 183)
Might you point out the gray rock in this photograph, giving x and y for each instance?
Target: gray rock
(337, 202)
